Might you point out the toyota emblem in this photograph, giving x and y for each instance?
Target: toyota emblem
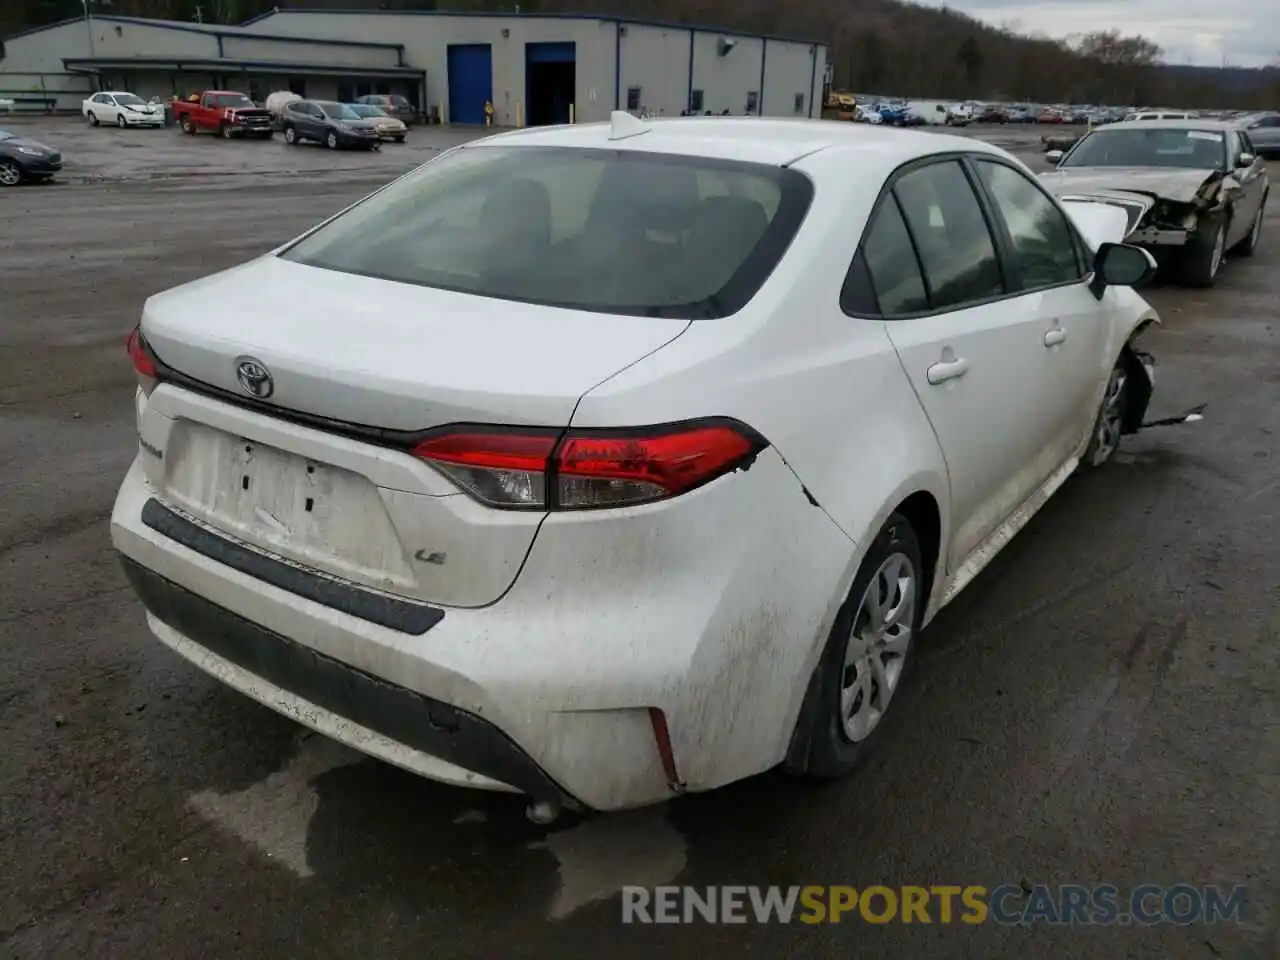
(255, 379)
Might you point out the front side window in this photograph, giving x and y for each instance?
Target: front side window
(1157, 147)
(623, 232)
(951, 235)
(1044, 247)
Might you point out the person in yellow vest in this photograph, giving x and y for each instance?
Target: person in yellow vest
(488, 113)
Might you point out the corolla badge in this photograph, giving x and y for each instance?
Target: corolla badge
(255, 379)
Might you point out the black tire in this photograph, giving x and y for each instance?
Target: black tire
(1247, 246)
(291, 136)
(120, 121)
(225, 131)
(188, 127)
(93, 119)
(10, 174)
(820, 747)
(1202, 257)
(1108, 425)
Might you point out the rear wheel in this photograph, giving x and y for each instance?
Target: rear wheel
(188, 127)
(291, 136)
(331, 141)
(10, 174)
(865, 659)
(93, 119)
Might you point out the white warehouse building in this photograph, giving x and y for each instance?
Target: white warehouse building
(533, 68)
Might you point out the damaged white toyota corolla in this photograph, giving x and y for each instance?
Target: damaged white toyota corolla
(606, 462)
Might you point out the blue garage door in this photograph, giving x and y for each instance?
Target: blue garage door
(470, 81)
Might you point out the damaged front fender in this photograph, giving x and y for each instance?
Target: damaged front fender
(1140, 368)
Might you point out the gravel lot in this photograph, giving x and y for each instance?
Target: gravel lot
(1101, 705)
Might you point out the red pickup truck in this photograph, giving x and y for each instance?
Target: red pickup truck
(224, 112)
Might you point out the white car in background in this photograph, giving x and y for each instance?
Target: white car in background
(607, 462)
(122, 109)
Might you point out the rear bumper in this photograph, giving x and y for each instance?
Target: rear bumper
(381, 718)
(710, 608)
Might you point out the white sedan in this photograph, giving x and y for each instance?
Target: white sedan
(121, 109)
(606, 462)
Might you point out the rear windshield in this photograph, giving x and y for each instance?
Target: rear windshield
(621, 232)
(229, 100)
(339, 111)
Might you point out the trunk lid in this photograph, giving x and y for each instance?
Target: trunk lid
(373, 353)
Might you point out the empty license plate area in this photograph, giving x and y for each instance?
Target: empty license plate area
(314, 513)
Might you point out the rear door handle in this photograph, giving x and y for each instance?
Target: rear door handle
(1054, 336)
(946, 370)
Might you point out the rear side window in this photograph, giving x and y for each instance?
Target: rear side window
(623, 232)
(950, 234)
(891, 266)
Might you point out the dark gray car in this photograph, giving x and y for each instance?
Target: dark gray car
(333, 124)
(1195, 189)
(1263, 130)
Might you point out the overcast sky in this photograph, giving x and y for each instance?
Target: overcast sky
(1189, 31)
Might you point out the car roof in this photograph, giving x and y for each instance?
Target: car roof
(1192, 123)
(776, 142)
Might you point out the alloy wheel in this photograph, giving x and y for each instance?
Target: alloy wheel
(875, 652)
(1219, 247)
(1110, 419)
(9, 174)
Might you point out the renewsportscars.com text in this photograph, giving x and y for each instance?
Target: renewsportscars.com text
(1009, 904)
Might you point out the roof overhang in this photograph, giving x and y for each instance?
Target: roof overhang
(228, 65)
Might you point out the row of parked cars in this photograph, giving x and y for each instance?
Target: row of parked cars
(368, 122)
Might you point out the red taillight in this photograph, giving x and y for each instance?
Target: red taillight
(138, 353)
(542, 469)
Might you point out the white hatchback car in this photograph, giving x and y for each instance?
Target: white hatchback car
(121, 109)
(610, 461)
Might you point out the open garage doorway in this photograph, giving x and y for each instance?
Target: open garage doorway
(550, 79)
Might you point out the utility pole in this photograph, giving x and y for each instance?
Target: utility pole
(88, 25)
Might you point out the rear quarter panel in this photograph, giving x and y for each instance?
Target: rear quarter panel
(827, 390)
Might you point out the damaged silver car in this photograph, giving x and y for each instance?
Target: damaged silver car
(1194, 189)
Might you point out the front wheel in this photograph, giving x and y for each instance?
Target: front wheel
(120, 121)
(865, 658)
(1108, 426)
(1249, 244)
(1202, 256)
(226, 131)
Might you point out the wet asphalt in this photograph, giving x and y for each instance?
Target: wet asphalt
(1100, 706)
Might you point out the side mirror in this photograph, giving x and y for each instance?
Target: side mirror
(1054, 157)
(1245, 159)
(1120, 265)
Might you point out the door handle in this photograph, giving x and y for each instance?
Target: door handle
(1054, 336)
(946, 370)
